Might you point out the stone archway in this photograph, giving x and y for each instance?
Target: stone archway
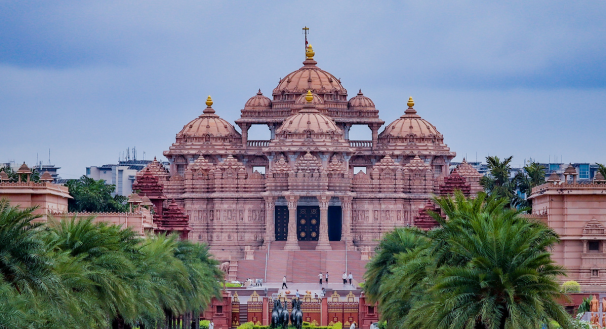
(335, 221)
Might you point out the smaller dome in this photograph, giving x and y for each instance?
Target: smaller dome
(258, 102)
(410, 124)
(309, 120)
(361, 102)
(316, 100)
(208, 124)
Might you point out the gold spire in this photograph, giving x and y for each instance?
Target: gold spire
(209, 101)
(309, 53)
(410, 103)
(309, 96)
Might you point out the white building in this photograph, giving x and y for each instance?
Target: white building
(122, 174)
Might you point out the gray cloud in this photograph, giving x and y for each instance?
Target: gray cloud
(88, 79)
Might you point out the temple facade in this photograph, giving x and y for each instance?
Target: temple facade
(300, 185)
(577, 213)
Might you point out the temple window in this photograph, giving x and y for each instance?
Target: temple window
(260, 169)
(358, 169)
(219, 309)
(437, 169)
(595, 272)
(593, 246)
(371, 310)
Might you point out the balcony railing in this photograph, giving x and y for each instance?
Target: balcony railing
(258, 143)
(360, 143)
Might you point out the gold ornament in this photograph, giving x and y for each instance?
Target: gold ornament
(309, 53)
(209, 101)
(410, 103)
(309, 96)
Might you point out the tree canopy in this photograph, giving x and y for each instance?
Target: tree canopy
(75, 273)
(92, 195)
(484, 267)
(499, 182)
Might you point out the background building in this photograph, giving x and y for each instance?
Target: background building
(122, 174)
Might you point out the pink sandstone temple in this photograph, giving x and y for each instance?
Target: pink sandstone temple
(307, 195)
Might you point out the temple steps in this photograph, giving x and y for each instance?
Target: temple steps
(302, 266)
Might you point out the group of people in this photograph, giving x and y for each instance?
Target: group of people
(345, 278)
(324, 278)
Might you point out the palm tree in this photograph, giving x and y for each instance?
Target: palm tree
(104, 254)
(485, 267)
(533, 175)
(401, 240)
(498, 182)
(23, 260)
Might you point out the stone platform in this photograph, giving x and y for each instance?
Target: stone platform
(301, 266)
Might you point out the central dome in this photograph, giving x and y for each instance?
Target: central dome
(309, 77)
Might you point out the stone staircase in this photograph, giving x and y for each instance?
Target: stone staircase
(243, 316)
(302, 266)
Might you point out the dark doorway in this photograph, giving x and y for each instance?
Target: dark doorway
(281, 223)
(308, 223)
(334, 223)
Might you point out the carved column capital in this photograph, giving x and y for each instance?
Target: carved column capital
(323, 201)
(292, 201)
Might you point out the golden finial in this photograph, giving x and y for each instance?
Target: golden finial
(410, 103)
(309, 96)
(209, 101)
(309, 53)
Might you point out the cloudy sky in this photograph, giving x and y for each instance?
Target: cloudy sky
(87, 79)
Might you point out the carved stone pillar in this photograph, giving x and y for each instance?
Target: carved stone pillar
(323, 243)
(347, 220)
(292, 243)
(375, 135)
(245, 128)
(270, 231)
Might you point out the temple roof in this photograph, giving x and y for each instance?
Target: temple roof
(309, 77)
(24, 169)
(410, 124)
(309, 119)
(361, 102)
(208, 123)
(258, 102)
(466, 170)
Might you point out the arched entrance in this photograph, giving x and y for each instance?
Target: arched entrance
(334, 223)
(281, 222)
(308, 223)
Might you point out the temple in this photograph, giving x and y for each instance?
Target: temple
(575, 211)
(299, 190)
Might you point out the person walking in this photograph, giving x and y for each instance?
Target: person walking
(211, 325)
(353, 326)
(326, 277)
(350, 277)
(284, 283)
(344, 278)
(297, 294)
(320, 276)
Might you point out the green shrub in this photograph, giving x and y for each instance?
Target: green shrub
(337, 325)
(204, 324)
(247, 325)
(570, 287)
